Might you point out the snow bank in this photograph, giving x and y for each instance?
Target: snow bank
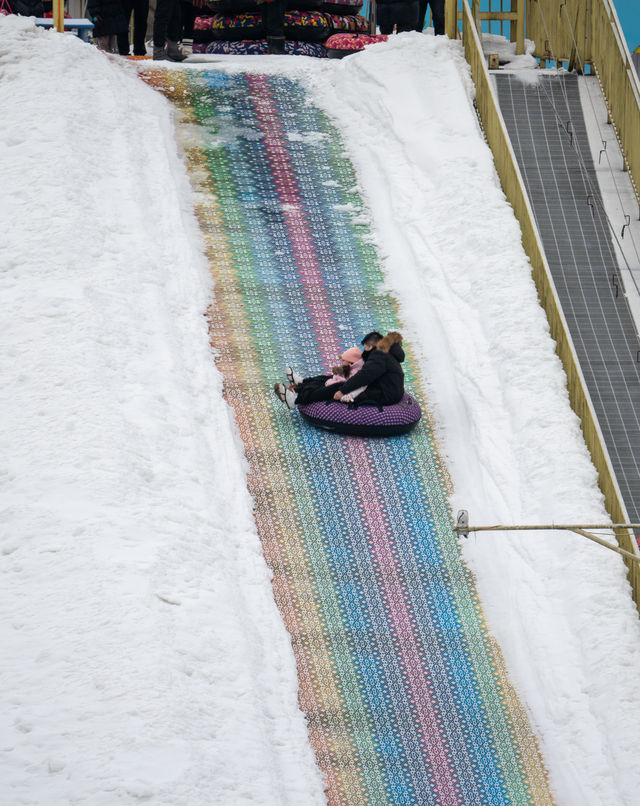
(559, 606)
(143, 655)
(506, 50)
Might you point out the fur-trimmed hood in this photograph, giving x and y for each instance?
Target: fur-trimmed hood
(386, 343)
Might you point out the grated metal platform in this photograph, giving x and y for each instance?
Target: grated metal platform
(547, 130)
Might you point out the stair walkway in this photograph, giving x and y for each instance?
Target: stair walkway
(546, 125)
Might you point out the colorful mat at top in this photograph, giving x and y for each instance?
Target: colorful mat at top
(405, 694)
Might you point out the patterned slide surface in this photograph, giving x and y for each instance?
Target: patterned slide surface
(405, 694)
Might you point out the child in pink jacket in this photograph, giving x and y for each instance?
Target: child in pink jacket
(352, 362)
(312, 389)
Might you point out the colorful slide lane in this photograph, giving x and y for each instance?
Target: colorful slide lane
(405, 694)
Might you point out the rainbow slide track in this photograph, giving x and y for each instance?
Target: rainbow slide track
(405, 694)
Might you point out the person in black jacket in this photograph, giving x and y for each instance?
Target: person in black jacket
(369, 342)
(109, 21)
(27, 8)
(167, 32)
(401, 13)
(381, 374)
(437, 14)
(140, 9)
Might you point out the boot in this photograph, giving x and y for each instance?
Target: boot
(290, 398)
(293, 377)
(174, 52)
(276, 45)
(159, 54)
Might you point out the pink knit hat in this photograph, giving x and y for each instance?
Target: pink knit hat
(351, 355)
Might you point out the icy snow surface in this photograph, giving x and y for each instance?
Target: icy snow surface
(143, 658)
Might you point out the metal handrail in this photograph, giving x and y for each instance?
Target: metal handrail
(462, 528)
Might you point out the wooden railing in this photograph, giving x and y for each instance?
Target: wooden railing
(547, 26)
(513, 186)
(514, 15)
(582, 32)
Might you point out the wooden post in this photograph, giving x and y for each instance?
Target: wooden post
(586, 56)
(451, 18)
(517, 29)
(58, 15)
(475, 12)
(575, 55)
(513, 29)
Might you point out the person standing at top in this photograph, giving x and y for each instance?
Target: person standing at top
(273, 12)
(140, 9)
(401, 13)
(437, 14)
(109, 22)
(167, 32)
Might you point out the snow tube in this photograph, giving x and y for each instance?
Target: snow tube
(305, 26)
(364, 421)
(340, 45)
(258, 47)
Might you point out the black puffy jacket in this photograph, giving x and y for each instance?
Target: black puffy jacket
(110, 15)
(27, 8)
(381, 374)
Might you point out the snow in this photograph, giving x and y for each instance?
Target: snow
(143, 655)
(494, 43)
(126, 520)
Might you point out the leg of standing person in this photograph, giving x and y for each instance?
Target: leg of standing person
(108, 43)
(437, 14)
(123, 38)
(160, 24)
(189, 13)
(385, 18)
(406, 16)
(140, 16)
(422, 14)
(174, 34)
(167, 31)
(273, 15)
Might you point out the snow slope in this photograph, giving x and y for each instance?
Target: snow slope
(143, 658)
